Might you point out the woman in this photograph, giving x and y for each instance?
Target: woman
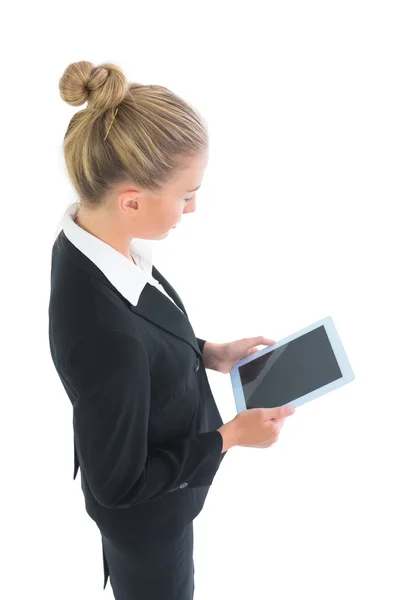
(148, 436)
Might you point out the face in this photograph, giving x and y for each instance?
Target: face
(150, 215)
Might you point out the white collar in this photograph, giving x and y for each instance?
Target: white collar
(129, 279)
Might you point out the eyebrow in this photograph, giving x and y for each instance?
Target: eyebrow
(195, 189)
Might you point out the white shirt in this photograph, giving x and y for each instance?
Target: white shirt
(126, 276)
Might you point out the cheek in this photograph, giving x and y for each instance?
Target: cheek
(174, 214)
(169, 215)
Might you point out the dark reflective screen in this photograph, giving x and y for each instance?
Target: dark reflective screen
(292, 370)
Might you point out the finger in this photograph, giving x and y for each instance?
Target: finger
(256, 341)
(259, 341)
(279, 412)
(252, 351)
(279, 423)
(265, 341)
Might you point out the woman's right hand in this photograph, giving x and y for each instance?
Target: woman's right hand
(255, 427)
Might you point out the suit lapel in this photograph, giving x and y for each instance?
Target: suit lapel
(156, 307)
(169, 289)
(153, 305)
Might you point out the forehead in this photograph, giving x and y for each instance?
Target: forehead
(191, 175)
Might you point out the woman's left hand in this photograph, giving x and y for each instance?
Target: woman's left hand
(222, 357)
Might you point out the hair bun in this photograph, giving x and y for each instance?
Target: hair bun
(101, 87)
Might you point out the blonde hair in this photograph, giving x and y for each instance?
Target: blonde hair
(150, 139)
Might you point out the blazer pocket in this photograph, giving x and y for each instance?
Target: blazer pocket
(177, 408)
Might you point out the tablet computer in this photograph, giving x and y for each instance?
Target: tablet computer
(293, 371)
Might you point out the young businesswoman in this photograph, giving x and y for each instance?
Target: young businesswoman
(148, 436)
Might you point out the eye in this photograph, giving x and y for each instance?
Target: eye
(188, 199)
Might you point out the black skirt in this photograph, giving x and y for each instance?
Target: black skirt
(157, 568)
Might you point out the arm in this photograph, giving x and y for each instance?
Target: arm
(109, 372)
(211, 354)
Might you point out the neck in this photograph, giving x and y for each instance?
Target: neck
(103, 232)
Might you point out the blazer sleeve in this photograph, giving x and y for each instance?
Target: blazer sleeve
(109, 372)
(201, 344)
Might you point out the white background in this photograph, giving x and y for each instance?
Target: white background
(296, 220)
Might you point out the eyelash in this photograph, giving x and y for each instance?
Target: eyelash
(188, 199)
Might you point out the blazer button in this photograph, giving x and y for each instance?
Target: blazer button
(197, 367)
(183, 485)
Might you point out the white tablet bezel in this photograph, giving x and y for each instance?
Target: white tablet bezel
(337, 348)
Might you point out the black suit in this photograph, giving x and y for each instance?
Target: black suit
(144, 416)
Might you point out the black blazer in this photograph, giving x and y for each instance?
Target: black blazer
(144, 416)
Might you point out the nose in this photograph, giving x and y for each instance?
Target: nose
(190, 207)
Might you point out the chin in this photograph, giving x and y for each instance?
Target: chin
(164, 235)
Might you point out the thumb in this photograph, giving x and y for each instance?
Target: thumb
(252, 351)
(259, 341)
(265, 341)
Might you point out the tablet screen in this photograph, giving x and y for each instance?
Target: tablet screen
(291, 371)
